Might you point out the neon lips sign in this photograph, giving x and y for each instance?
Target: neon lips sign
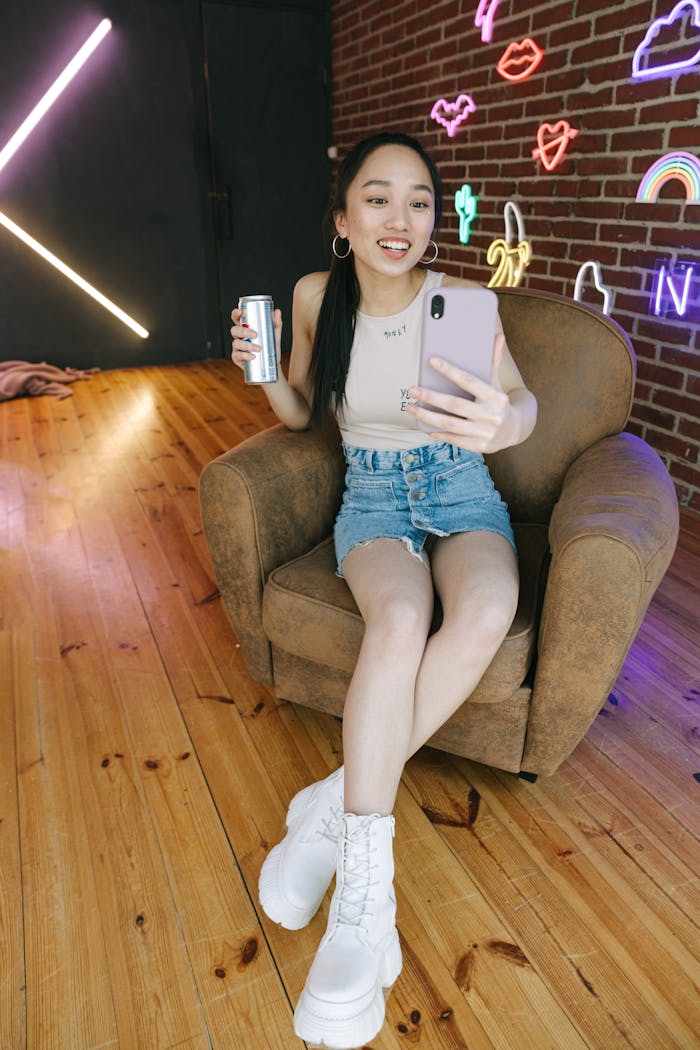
(519, 60)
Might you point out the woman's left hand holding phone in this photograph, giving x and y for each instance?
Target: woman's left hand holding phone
(486, 424)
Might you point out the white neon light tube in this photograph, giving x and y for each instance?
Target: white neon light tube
(54, 91)
(72, 275)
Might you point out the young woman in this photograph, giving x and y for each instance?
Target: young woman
(355, 352)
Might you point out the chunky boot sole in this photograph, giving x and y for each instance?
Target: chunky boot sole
(362, 1019)
(272, 899)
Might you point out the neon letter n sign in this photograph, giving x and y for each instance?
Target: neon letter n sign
(672, 290)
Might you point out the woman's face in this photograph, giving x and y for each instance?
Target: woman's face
(390, 211)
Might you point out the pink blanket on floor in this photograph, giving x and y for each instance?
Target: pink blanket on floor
(21, 377)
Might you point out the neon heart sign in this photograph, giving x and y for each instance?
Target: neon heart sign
(552, 142)
(453, 114)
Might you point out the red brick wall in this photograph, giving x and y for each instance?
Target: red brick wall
(394, 58)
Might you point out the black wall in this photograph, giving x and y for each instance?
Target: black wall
(115, 180)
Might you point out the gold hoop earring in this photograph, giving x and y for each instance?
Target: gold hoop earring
(335, 241)
(427, 262)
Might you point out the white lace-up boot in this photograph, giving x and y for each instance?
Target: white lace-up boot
(297, 872)
(342, 1004)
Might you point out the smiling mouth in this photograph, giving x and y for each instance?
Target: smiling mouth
(395, 246)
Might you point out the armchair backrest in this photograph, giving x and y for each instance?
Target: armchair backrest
(581, 367)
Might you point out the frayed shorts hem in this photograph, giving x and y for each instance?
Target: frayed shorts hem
(430, 491)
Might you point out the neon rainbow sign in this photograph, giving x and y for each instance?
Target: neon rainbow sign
(452, 114)
(689, 9)
(465, 206)
(682, 166)
(16, 140)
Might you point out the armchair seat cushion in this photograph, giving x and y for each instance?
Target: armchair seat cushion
(309, 612)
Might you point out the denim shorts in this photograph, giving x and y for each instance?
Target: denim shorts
(435, 489)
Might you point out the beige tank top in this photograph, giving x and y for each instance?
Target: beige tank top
(384, 363)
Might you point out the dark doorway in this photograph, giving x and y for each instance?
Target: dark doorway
(268, 86)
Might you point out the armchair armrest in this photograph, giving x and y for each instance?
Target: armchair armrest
(612, 536)
(266, 501)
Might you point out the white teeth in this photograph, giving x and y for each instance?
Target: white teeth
(398, 246)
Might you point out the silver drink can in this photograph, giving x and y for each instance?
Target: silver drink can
(257, 314)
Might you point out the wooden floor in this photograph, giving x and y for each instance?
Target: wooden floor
(143, 776)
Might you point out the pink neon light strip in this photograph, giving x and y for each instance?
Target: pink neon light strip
(485, 14)
(62, 81)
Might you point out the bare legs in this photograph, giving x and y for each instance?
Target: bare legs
(403, 689)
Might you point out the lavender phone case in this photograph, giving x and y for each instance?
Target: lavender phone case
(463, 335)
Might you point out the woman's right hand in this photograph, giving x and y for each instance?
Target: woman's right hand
(241, 349)
(243, 345)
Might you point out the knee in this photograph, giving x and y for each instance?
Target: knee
(484, 625)
(399, 623)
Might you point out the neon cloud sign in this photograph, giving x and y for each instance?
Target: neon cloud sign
(16, 140)
(657, 37)
(519, 60)
(510, 257)
(552, 142)
(667, 297)
(594, 266)
(682, 166)
(465, 205)
(485, 14)
(452, 114)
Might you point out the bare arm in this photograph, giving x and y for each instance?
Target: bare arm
(291, 398)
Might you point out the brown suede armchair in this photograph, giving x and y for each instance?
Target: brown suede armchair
(596, 522)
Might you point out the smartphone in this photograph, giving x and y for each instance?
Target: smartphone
(459, 325)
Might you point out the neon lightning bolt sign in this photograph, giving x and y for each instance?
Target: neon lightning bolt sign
(23, 131)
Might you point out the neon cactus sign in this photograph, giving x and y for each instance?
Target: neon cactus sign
(594, 267)
(672, 289)
(682, 166)
(552, 142)
(465, 205)
(16, 140)
(519, 60)
(686, 12)
(452, 114)
(510, 257)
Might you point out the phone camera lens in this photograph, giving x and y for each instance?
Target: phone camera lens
(437, 306)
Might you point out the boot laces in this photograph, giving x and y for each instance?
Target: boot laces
(330, 828)
(353, 896)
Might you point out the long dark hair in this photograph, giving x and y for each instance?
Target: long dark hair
(330, 358)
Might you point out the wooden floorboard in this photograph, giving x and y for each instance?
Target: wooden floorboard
(144, 776)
